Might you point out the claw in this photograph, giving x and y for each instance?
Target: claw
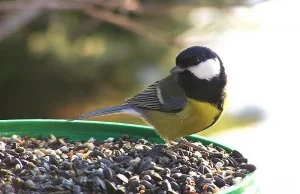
(182, 141)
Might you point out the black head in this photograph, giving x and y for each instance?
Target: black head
(192, 56)
(202, 62)
(201, 74)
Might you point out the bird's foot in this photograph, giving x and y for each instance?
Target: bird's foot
(182, 142)
(173, 145)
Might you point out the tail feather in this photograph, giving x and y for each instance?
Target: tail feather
(105, 111)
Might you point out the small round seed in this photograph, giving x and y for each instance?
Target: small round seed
(116, 165)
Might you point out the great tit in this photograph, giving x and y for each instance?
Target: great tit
(187, 101)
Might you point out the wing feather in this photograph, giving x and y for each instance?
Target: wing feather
(164, 95)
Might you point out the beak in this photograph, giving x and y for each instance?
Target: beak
(177, 69)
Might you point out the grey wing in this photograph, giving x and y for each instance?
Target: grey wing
(164, 95)
(147, 98)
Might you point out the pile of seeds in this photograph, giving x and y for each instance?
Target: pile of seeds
(115, 166)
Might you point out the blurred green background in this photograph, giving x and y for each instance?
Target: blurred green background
(61, 58)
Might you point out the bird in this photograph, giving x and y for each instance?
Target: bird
(190, 99)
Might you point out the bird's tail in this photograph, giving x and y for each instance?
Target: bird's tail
(126, 108)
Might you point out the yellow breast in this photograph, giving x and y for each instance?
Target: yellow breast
(195, 117)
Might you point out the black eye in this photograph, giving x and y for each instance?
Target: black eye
(195, 60)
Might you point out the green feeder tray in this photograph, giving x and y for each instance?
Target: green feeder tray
(83, 130)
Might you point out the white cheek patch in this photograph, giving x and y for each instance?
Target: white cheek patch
(207, 69)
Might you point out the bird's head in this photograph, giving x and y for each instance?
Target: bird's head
(201, 61)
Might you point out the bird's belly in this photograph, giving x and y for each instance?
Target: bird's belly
(195, 117)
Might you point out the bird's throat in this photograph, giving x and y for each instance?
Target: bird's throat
(212, 91)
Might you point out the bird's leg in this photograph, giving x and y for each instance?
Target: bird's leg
(173, 144)
(182, 141)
